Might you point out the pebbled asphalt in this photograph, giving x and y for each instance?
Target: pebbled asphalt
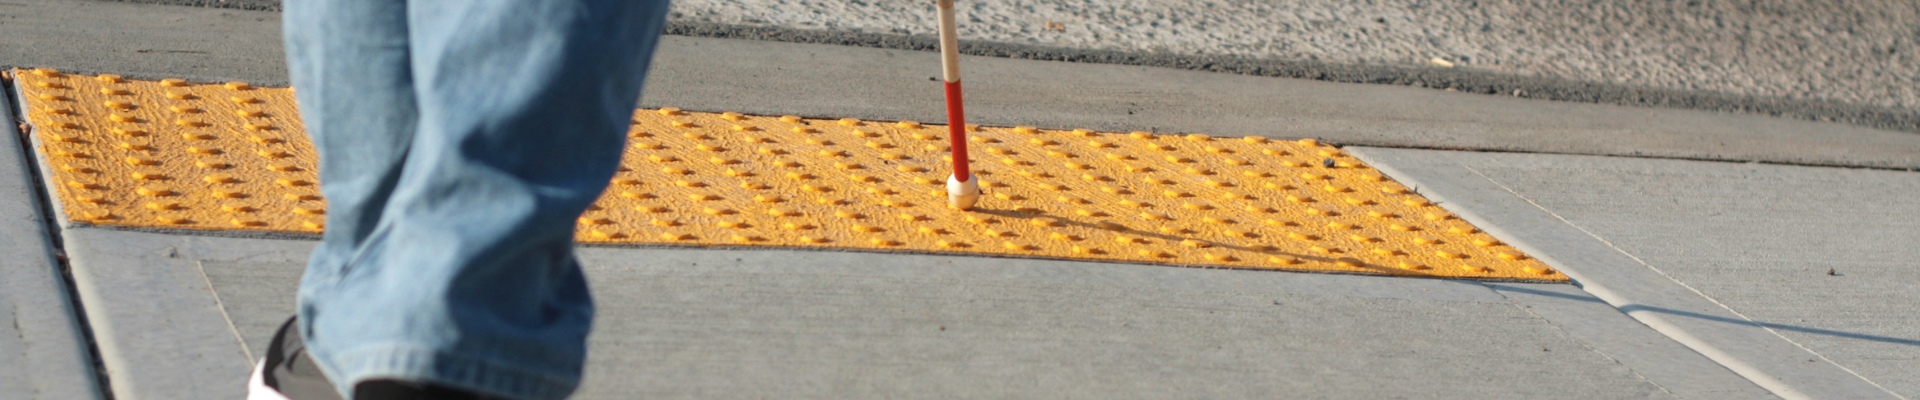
(256, 5)
(1463, 80)
(1812, 60)
(1852, 51)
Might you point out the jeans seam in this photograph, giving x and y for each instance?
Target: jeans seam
(364, 251)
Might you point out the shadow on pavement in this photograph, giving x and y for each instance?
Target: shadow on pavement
(1636, 307)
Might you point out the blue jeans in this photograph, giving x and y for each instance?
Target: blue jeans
(459, 140)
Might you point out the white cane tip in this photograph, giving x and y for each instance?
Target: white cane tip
(963, 194)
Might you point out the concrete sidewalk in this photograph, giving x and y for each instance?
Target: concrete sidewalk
(1693, 279)
(43, 352)
(810, 324)
(1796, 277)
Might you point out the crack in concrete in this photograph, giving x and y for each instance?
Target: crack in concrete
(222, 306)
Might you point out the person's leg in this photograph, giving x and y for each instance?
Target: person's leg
(469, 279)
(352, 73)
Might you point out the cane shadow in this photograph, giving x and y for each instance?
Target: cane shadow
(1174, 239)
(1631, 308)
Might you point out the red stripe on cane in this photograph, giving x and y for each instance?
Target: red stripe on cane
(957, 127)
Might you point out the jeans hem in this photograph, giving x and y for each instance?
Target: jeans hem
(412, 363)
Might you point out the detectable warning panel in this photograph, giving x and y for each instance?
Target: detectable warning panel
(184, 155)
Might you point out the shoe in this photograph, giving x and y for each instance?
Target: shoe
(288, 373)
(382, 389)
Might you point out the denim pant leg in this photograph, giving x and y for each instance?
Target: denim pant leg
(350, 63)
(349, 60)
(468, 278)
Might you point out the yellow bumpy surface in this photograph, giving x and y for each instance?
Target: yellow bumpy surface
(233, 157)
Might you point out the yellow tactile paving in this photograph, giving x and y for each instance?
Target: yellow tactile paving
(229, 156)
(172, 153)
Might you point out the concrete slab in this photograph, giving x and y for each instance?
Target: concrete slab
(1728, 258)
(140, 40)
(1652, 355)
(813, 324)
(821, 80)
(160, 328)
(780, 323)
(43, 352)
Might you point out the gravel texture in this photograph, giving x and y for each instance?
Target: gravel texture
(259, 5)
(1859, 52)
(1855, 62)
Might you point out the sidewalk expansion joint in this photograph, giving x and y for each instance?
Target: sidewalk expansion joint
(177, 155)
